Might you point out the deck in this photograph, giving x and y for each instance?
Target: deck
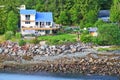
(54, 28)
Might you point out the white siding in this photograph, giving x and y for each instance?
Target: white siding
(32, 17)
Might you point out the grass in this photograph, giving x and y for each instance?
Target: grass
(2, 38)
(50, 39)
(58, 39)
(112, 48)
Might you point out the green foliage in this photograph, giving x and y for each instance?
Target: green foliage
(112, 48)
(18, 35)
(99, 22)
(58, 39)
(63, 18)
(91, 17)
(12, 21)
(35, 41)
(115, 11)
(8, 35)
(22, 42)
(64, 11)
(86, 38)
(109, 34)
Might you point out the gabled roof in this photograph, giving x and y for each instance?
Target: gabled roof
(27, 12)
(104, 13)
(44, 16)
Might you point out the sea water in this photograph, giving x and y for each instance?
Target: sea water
(52, 76)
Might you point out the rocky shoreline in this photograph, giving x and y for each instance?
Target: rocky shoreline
(71, 58)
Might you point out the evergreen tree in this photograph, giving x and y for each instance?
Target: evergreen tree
(12, 21)
(115, 12)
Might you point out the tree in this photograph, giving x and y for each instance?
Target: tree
(89, 10)
(2, 20)
(115, 12)
(12, 21)
(63, 18)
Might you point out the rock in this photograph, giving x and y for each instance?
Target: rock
(1, 50)
(46, 55)
(91, 60)
(20, 52)
(38, 50)
(6, 51)
(59, 51)
(93, 55)
(13, 53)
(73, 50)
(36, 47)
(117, 52)
(43, 47)
(9, 46)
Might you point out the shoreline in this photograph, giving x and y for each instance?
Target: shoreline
(67, 65)
(74, 58)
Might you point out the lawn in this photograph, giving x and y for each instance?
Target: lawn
(50, 39)
(2, 38)
(58, 39)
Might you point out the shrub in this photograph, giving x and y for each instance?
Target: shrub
(35, 41)
(8, 35)
(21, 42)
(99, 22)
(109, 34)
(86, 38)
(18, 35)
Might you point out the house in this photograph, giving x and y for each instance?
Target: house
(104, 15)
(37, 23)
(93, 31)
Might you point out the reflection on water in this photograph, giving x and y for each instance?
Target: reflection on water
(46, 76)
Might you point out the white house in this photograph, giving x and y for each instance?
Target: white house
(33, 22)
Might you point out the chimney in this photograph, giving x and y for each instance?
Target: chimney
(22, 7)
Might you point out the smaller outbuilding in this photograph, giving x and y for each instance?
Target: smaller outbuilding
(104, 15)
(93, 31)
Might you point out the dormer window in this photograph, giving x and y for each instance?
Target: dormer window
(27, 17)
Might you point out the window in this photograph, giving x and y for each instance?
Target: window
(27, 17)
(37, 23)
(27, 22)
(48, 23)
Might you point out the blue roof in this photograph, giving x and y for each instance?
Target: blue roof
(27, 12)
(104, 13)
(44, 16)
(92, 29)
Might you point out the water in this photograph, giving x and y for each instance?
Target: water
(46, 76)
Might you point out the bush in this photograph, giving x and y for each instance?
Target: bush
(86, 38)
(109, 34)
(18, 35)
(8, 35)
(99, 22)
(35, 41)
(21, 42)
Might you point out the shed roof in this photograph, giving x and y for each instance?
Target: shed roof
(93, 29)
(26, 12)
(44, 16)
(104, 13)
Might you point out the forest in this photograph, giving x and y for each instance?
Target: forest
(65, 12)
